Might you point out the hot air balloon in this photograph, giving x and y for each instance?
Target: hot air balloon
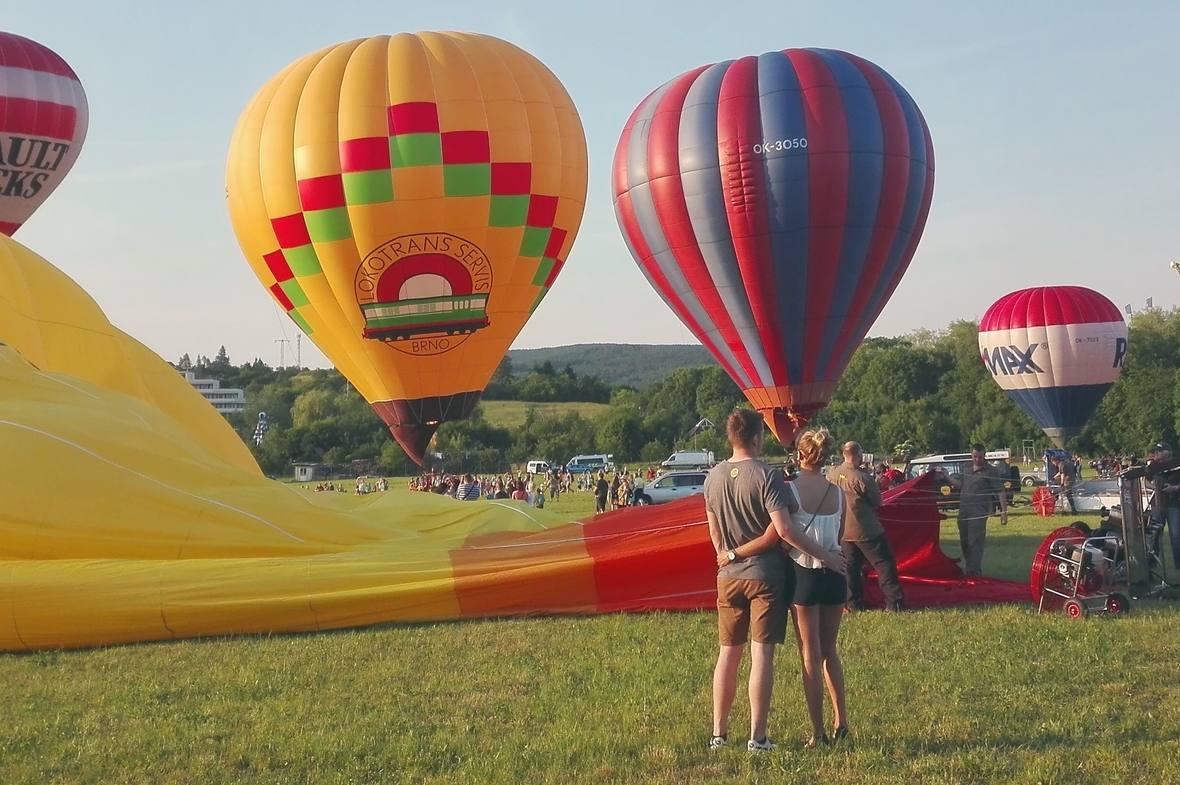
(774, 203)
(1055, 350)
(408, 201)
(43, 120)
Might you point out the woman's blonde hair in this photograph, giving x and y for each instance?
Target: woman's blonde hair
(814, 445)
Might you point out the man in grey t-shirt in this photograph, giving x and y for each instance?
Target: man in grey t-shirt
(748, 507)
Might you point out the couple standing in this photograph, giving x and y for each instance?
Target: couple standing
(754, 514)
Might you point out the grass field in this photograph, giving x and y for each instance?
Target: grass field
(985, 695)
(511, 414)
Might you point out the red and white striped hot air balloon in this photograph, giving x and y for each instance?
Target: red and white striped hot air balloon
(43, 120)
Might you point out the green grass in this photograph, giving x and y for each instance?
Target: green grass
(511, 414)
(984, 695)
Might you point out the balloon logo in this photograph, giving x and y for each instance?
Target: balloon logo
(409, 201)
(1055, 350)
(43, 119)
(451, 274)
(774, 202)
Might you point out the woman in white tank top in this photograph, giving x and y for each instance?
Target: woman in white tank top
(818, 604)
(822, 529)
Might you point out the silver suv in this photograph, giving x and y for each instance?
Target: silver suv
(670, 487)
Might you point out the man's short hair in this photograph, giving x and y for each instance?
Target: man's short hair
(978, 447)
(743, 427)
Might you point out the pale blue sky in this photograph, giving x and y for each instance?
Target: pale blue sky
(1054, 124)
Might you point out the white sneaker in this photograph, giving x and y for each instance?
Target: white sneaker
(717, 742)
(760, 746)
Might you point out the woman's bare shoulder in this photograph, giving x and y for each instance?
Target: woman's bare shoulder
(815, 490)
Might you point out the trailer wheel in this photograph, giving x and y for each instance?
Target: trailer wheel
(1118, 604)
(1074, 609)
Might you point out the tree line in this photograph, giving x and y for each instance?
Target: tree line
(924, 392)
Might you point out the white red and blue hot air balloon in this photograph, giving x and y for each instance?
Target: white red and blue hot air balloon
(1055, 350)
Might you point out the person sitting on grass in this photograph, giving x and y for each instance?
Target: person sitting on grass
(749, 510)
(519, 494)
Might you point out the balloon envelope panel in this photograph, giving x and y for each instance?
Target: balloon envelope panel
(409, 201)
(1055, 350)
(43, 118)
(774, 202)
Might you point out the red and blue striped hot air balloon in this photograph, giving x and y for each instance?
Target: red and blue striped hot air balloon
(774, 202)
(1055, 350)
(43, 118)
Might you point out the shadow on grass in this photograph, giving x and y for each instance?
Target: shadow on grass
(1039, 741)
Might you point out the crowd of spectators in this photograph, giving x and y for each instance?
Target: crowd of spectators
(364, 485)
(534, 489)
(1109, 466)
(612, 490)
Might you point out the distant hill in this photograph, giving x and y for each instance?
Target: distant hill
(636, 365)
(511, 414)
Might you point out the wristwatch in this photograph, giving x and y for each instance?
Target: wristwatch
(732, 556)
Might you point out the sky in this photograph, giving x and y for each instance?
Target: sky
(1054, 127)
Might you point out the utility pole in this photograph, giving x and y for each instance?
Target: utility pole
(282, 342)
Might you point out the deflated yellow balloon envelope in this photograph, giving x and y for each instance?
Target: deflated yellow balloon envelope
(409, 200)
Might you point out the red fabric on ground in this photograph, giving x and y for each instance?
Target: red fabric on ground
(660, 558)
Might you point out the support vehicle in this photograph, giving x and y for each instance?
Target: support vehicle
(670, 487)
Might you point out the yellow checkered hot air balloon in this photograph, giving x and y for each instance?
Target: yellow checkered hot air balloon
(409, 200)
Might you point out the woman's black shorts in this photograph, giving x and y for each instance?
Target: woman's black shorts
(819, 587)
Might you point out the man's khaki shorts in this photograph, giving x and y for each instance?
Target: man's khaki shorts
(751, 609)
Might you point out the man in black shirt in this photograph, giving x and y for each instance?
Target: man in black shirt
(1165, 504)
(1066, 476)
(981, 486)
(601, 491)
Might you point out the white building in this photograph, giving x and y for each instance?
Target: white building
(224, 400)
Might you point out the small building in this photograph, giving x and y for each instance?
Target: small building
(224, 399)
(310, 472)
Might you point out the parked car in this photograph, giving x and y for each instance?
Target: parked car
(581, 464)
(670, 487)
(1033, 477)
(689, 459)
(537, 467)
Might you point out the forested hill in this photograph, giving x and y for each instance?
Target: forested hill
(634, 365)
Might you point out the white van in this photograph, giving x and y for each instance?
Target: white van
(581, 464)
(537, 467)
(689, 459)
(950, 467)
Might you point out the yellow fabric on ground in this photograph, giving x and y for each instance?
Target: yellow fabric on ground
(131, 511)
